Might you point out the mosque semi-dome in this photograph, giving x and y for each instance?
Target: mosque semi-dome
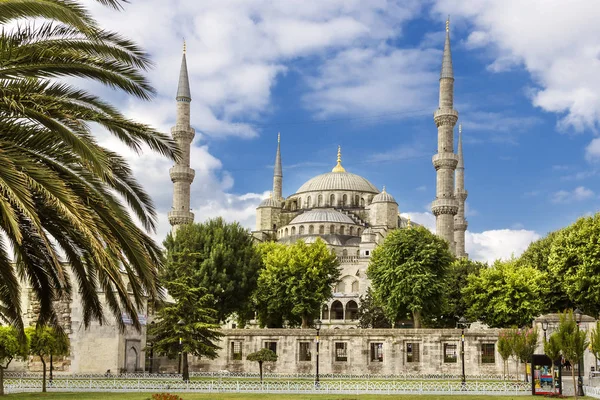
(383, 197)
(322, 215)
(269, 202)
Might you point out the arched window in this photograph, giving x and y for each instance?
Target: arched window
(340, 287)
(311, 229)
(308, 202)
(337, 310)
(342, 230)
(362, 202)
(351, 310)
(331, 229)
(325, 312)
(351, 231)
(320, 200)
(301, 230)
(355, 287)
(344, 200)
(286, 232)
(322, 230)
(358, 231)
(356, 200)
(293, 230)
(332, 200)
(344, 252)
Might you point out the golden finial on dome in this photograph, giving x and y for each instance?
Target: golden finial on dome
(338, 167)
(383, 189)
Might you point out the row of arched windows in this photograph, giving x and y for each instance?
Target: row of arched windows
(331, 200)
(322, 230)
(338, 312)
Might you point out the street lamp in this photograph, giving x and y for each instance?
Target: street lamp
(180, 323)
(463, 324)
(578, 314)
(544, 328)
(318, 325)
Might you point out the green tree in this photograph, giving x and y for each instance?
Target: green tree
(296, 281)
(525, 342)
(59, 188)
(370, 312)
(505, 295)
(505, 348)
(261, 356)
(11, 347)
(574, 257)
(44, 342)
(552, 350)
(220, 257)
(572, 341)
(407, 273)
(188, 326)
(595, 341)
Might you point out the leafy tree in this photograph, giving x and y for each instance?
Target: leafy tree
(295, 282)
(11, 347)
(188, 326)
(46, 341)
(574, 257)
(505, 294)
(525, 342)
(407, 273)
(370, 312)
(552, 350)
(218, 256)
(59, 187)
(595, 341)
(572, 341)
(261, 356)
(505, 348)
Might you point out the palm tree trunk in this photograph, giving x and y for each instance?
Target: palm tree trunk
(43, 374)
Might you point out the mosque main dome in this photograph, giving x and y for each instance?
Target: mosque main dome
(338, 181)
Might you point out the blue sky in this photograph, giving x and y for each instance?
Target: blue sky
(364, 75)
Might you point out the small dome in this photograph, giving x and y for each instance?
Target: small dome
(384, 197)
(322, 216)
(270, 202)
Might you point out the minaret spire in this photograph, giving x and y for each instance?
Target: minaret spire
(182, 175)
(278, 172)
(445, 206)
(460, 223)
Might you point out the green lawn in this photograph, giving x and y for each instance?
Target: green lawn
(225, 396)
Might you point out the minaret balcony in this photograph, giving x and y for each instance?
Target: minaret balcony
(183, 132)
(460, 225)
(445, 116)
(182, 174)
(180, 217)
(444, 206)
(445, 160)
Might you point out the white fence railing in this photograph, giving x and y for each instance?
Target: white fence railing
(270, 376)
(13, 385)
(592, 391)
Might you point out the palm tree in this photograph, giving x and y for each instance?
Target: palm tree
(60, 191)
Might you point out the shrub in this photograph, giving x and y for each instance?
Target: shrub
(165, 396)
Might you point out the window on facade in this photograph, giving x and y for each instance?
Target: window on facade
(321, 229)
(331, 229)
(304, 351)
(358, 232)
(342, 230)
(362, 202)
(355, 287)
(325, 312)
(340, 287)
(332, 200)
(271, 346)
(344, 252)
(236, 350)
(376, 352)
(356, 200)
(320, 200)
(311, 229)
(341, 351)
(351, 310)
(450, 353)
(344, 199)
(488, 353)
(301, 230)
(351, 232)
(308, 202)
(337, 310)
(412, 352)
(286, 231)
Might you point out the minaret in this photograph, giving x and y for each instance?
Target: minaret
(460, 223)
(277, 173)
(445, 206)
(181, 173)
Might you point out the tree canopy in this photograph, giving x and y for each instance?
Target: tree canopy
(296, 281)
(261, 356)
(11, 347)
(371, 313)
(407, 273)
(219, 257)
(45, 341)
(505, 295)
(59, 188)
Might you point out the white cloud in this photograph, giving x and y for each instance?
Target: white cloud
(554, 40)
(580, 193)
(592, 151)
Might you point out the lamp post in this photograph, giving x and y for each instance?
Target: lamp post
(318, 325)
(544, 328)
(578, 314)
(180, 323)
(463, 324)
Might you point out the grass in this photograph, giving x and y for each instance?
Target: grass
(243, 396)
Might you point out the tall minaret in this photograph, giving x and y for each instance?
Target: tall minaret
(445, 206)
(460, 223)
(181, 173)
(277, 173)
